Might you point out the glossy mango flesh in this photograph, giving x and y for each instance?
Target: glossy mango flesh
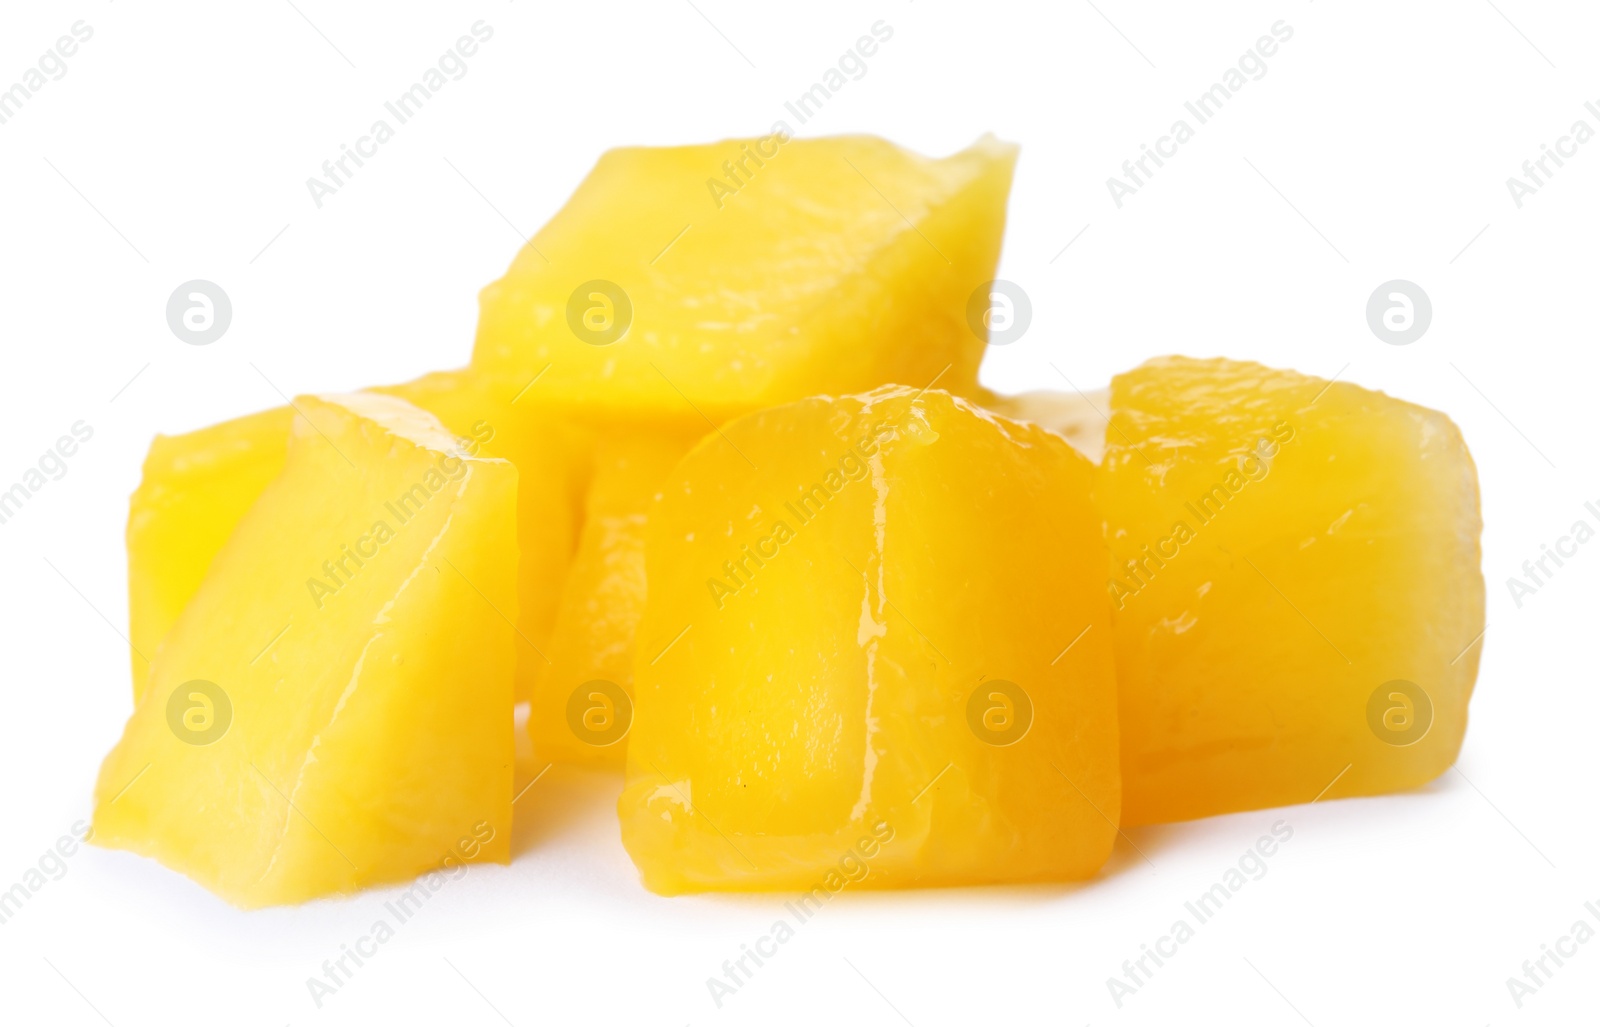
(333, 708)
(572, 719)
(838, 265)
(198, 486)
(845, 596)
(1296, 588)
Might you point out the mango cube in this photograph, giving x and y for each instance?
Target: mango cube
(1295, 583)
(845, 596)
(840, 265)
(333, 708)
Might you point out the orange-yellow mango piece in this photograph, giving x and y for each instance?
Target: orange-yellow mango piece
(838, 265)
(298, 741)
(1296, 589)
(885, 656)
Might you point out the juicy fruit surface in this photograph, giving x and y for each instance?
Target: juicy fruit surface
(301, 739)
(593, 637)
(839, 265)
(199, 485)
(194, 491)
(836, 579)
(1283, 551)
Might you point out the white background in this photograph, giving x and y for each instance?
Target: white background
(1376, 147)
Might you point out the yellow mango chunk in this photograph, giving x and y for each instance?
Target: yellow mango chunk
(197, 486)
(840, 264)
(576, 714)
(333, 708)
(1295, 583)
(858, 672)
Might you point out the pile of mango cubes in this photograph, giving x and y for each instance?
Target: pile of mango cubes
(725, 507)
